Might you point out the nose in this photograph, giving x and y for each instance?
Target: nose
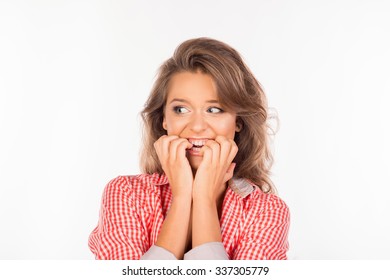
(198, 123)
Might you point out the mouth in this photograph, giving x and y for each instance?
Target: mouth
(197, 145)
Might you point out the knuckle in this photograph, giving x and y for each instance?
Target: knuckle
(205, 149)
(209, 151)
(214, 145)
(173, 142)
(168, 138)
(233, 143)
(184, 143)
(226, 143)
(177, 142)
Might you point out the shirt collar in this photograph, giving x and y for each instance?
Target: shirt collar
(240, 186)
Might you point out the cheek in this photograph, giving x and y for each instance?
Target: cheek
(226, 128)
(174, 125)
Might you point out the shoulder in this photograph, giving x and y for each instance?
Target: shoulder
(266, 202)
(134, 184)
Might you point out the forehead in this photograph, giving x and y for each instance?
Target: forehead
(189, 85)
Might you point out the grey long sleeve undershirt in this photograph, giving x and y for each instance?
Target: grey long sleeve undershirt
(207, 251)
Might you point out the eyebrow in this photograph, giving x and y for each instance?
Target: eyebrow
(185, 101)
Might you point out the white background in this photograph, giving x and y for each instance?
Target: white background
(74, 76)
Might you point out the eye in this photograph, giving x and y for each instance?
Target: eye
(180, 110)
(214, 110)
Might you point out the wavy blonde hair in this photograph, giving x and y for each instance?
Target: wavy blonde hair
(237, 89)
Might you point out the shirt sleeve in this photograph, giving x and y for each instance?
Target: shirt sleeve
(158, 253)
(119, 234)
(266, 237)
(207, 251)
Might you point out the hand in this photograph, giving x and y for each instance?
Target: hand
(215, 169)
(171, 151)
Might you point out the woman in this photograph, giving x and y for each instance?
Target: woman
(205, 192)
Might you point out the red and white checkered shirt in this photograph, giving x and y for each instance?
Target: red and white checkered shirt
(254, 225)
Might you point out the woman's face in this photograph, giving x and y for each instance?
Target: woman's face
(193, 112)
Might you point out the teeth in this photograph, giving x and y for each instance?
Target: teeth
(198, 142)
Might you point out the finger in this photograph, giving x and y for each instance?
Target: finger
(181, 147)
(163, 141)
(231, 168)
(215, 151)
(233, 150)
(229, 172)
(157, 146)
(166, 142)
(162, 146)
(207, 154)
(173, 148)
(225, 146)
(229, 150)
